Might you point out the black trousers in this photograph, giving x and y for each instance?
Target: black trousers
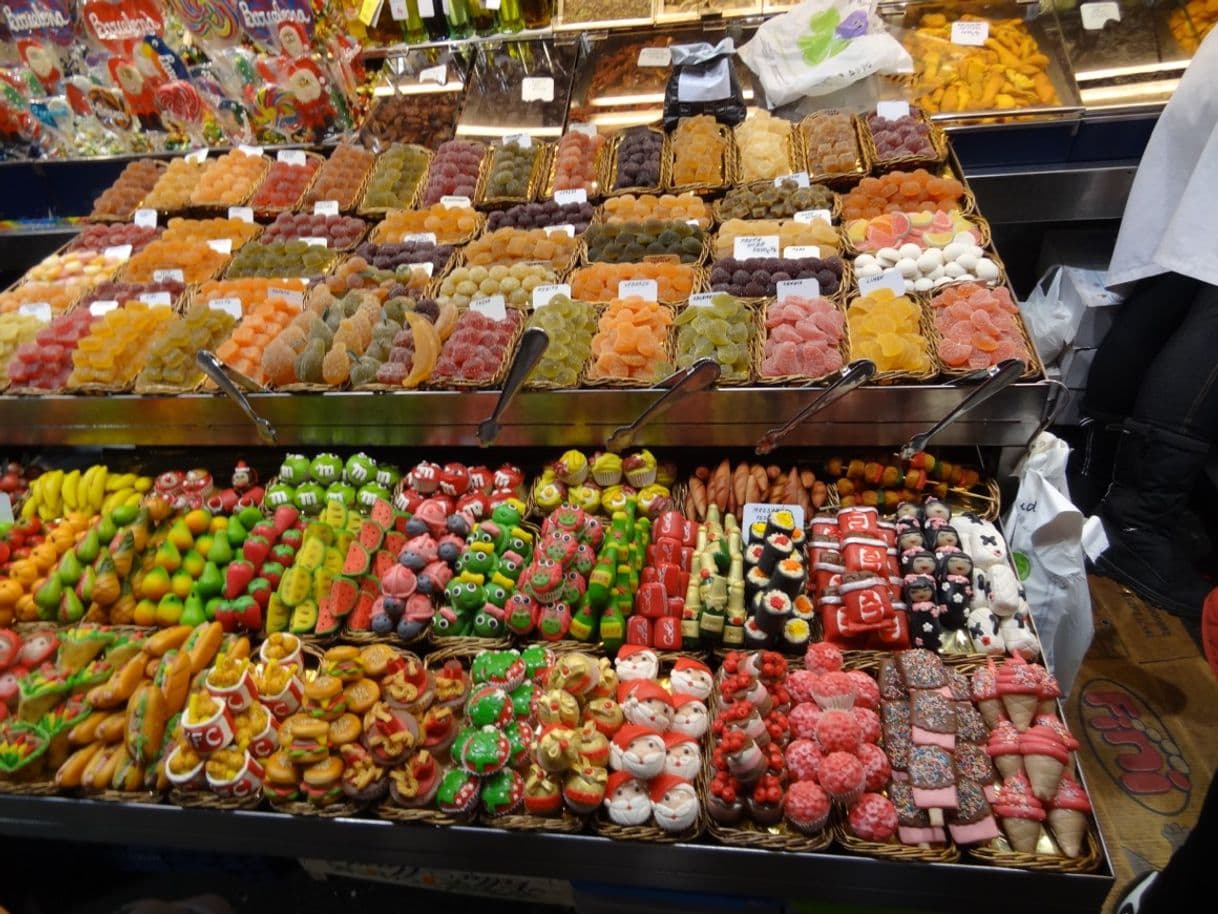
(1159, 362)
(1180, 885)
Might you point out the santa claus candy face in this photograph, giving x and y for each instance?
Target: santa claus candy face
(629, 804)
(653, 712)
(305, 85)
(690, 719)
(291, 41)
(693, 682)
(639, 665)
(683, 760)
(644, 757)
(677, 809)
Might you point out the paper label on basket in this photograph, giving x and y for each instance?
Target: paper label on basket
(244, 213)
(1094, 15)
(103, 306)
(38, 309)
(543, 293)
(228, 305)
(420, 237)
(325, 208)
(291, 156)
(492, 4)
(585, 129)
(655, 57)
(221, 245)
(145, 218)
(455, 202)
(120, 252)
(799, 177)
(563, 197)
(747, 247)
(168, 276)
(427, 267)
(197, 156)
(646, 289)
(291, 295)
(892, 110)
(437, 74)
(798, 251)
(157, 299)
(397, 9)
(493, 306)
(798, 288)
(970, 32)
(250, 150)
(889, 279)
(760, 514)
(314, 242)
(6, 508)
(565, 229)
(369, 11)
(523, 140)
(537, 89)
(807, 216)
(427, 9)
(701, 299)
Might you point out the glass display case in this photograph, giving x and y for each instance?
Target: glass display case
(519, 86)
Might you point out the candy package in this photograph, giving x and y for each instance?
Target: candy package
(703, 81)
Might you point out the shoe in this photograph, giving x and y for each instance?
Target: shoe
(1131, 900)
(1209, 630)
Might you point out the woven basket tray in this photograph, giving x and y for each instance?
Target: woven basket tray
(778, 838)
(762, 336)
(609, 162)
(205, 799)
(949, 853)
(370, 637)
(981, 225)
(566, 823)
(713, 242)
(727, 171)
(95, 216)
(756, 329)
(348, 203)
(598, 169)
(463, 647)
(426, 815)
(1034, 368)
(378, 235)
(303, 808)
(838, 180)
(926, 326)
(699, 278)
(998, 853)
(585, 260)
(270, 212)
(938, 142)
(34, 788)
(650, 833)
(494, 382)
(214, 208)
(537, 383)
(795, 156)
(596, 381)
(537, 178)
(376, 212)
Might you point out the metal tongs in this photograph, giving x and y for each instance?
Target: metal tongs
(533, 343)
(995, 379)
(852, 376)
(701, 375)
(228, 379)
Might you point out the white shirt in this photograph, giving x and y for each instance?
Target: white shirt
(1171, 217)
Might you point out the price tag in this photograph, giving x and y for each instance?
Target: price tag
(1094, 15)
(585, 129)
(291, 156)
(6, 508)
(492, 306)
(892, 110)
(244, 213)
(492, 4)
(523, 140)
(427, 267)
(537, 89)
(197, 156)
(290, 295)
(746, 247)
(646, 289)
(655, 57)
(250, 150)
(889, 279)
(427, 9)
(807, 216)
(701, 299)
(104, 306)
(118, 252)
(759, 514)
(543, 293)
(146, 218)
(455, 202)
(228, 305)
(315, 242)
(221, 245)
(564, 229)
(798, 288)
(420, 237)
(168, 276)
(38, 309)
(798, 251)
(157, 299)
(397, 9)
(970, 32)
(370, 11)
(563, 197)
(325, 208)
(437, 74)
(800, 178)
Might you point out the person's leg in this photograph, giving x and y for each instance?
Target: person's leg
(1160, 457)
(1175, 888)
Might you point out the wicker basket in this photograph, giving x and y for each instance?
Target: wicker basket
(609, 162)
(756, 330)
(835, 205)
(795, 156)
(161, 166)
(141, 797)
(270, 212)
(981, 225)
(205, 799)
(949, 853)
(426, 815)
(938, 142)
(713, 243)
(214, 208)
(463, 647)
(304, 808)
(34, 788)
(566, 823)
(596, 381)
(598, 169)
(376, 212)
(998, 853)
(535, 383)
(378, 235)
(650, 833)
(1033, 369)
(838, 180)
(537, 177)
(762, 336)
(698, 283)
(583, 259)
(727, 169)
(370, 637)
(347, 204)
(926, 327)
(494, 382)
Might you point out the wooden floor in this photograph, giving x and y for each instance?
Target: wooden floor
(1143, 707)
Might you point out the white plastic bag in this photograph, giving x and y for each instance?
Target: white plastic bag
(821, 46)
(1045, 532)
(1049, 317)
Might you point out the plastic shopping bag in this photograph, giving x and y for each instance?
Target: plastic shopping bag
(1051, 320)
(1045, 532)
(821, 46)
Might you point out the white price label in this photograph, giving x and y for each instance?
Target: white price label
(228, 305)
(565, 229)
(314, 242)
(455, 202)
(397, 9)
(325, 208)
(427, 9)
(157, 299)
(537, 89)
(746, 247)
(437, 74)
(197, 156)
(544, 293)
(646, 289)
(807, 216)
(244, 213)
(892, 110)
(6, 508)
(797, 288)
(290, 295)
(168, 276)
(291, 156)
(426, 268)
(493, 306)
(118, 252)
(103, 306)
(889, 279)
(585, 129)
(492, 4)
(1094, 15)
(799, 177)
(563, 197)
(970, 32)
(420, 237)
(38, 309)
(145, 218)
(655, 57)
(759, 514)
(701, 299)
(798, 251)
(221, 245)
(250, 150)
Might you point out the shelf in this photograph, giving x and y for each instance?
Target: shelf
(831, 878)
